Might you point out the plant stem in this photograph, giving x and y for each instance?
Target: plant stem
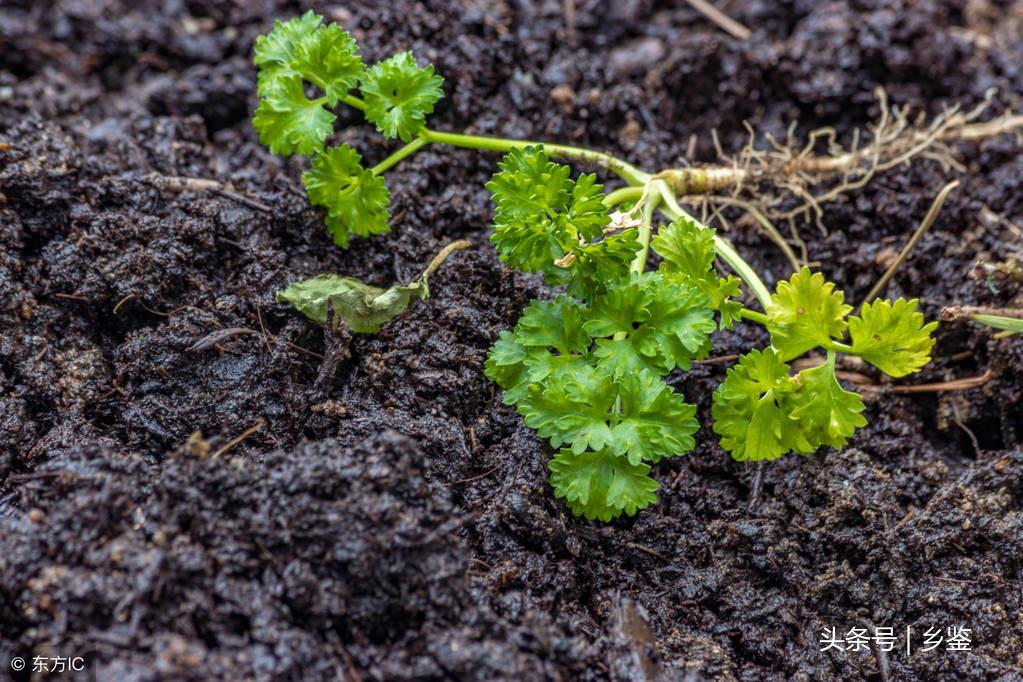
(753, 316)
(645, 228)
(623, 194)
(838, 347)
(722, 247)
(625, 170)
(442, 256)
(636, 178)
(729, 255)
(395, 158)
(1009, 324)
(354, 102)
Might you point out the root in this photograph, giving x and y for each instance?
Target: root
(260, 423)
(932, 215)
(789, 181)
(724, 22)
(179, 184)
(959, 312)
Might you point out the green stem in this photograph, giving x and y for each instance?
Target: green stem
(637, 267)
(626, 171)
(753, 316)
(395, 158)
(1009, 324)
(728, 254)
(838, 347)
(723, 248)
(645, 228)
(354, 102)
(623, 194)
(639, 263)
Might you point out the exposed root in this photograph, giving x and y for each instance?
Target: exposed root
(1009, 320)
(765, 224)
(959, 312)
(789, 181)
(178, 184)
(932, 215)
(260, 423)
(945, 386)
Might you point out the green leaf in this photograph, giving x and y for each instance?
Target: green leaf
(356, 200)
(288, 122)
(506, 365)
(655, 421)
(546, 222)
(600, 485)
(572, 408)
(625, 305)
(521, 358)
(893, 338)
(586, 215)
(637, 416)
(541, 363)
(751, 409)
(326, 56)
(399, 95)
(528, 191)
(805, 312)
(687, 251)
(827, 413)
(278, 46)
(729, 310)
(680, 325)
(666, 324)
(557, 324)
(363, 307)
(596, 263)
(620, 357)
(529, 183)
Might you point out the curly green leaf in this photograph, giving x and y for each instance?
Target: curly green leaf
(892, 337)
(399, 95)
(356, 200)
(805, 312)
(601, 485)
(288, 122)
(326, 56)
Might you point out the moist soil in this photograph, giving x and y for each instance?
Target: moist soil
(392, 519)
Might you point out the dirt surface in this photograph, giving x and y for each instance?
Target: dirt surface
(394, 521)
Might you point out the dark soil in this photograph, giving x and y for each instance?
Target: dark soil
(394, 521)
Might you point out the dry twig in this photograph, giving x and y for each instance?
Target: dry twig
(724, 22)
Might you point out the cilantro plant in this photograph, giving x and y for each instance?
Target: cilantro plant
(595, 370)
